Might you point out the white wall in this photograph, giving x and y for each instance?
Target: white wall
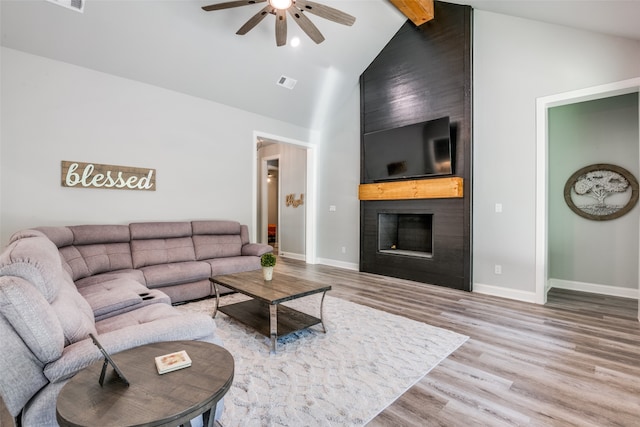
(293, 180)
(52, 111)
(515, 62)
(338, 180)
(583, 251)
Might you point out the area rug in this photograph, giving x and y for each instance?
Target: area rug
(345, 377)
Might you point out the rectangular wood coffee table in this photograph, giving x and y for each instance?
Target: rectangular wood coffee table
(264, 311)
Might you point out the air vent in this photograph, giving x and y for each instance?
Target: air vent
(287, 82)
(77, 5)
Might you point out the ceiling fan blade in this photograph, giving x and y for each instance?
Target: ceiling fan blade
(281, 27)
(306, 25)
(325, 12)
(230, 4)
(254, 20)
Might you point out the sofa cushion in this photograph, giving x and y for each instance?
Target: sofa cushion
(101, 258)
(60, 236)
(104, 303)
(159, 230)
(100, 234)
(151, 296)
(161, 251)
(151, 323)
(91, 249)
(129, 274)
(244, 234)
(189, 291)
(22, 374)
(89, 260)
(256, 249)
(220, 246)
(215, 227)
(76, 265)
(114, 295)
(157, 322)
(176, 273)
(32, 317)
(232, 265)
(36, 260)
(74, 314)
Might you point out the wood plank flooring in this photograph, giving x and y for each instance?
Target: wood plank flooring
(572, 362)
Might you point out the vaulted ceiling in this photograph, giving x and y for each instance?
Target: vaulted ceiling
(176, 45)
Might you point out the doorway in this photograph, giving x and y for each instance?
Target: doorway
(542, 165)
(292, 227)
(268, 199)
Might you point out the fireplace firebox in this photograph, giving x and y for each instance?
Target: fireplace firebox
(405, 234)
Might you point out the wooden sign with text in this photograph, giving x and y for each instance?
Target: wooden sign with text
(94, 175)
(290, 200)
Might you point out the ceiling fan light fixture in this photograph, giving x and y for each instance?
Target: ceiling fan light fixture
(280, 8)
(281, 4)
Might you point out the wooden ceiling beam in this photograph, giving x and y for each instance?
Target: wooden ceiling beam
(418, 11)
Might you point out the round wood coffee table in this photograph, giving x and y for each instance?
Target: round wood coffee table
(151, 399)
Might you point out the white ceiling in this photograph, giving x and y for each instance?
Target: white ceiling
(176, 45)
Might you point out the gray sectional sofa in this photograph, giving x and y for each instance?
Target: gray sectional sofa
(177, 258)
(59, 284)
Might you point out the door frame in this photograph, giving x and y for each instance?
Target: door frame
(542, 173)
(309, 198)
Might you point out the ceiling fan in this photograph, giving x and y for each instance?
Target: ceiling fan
(296, 9)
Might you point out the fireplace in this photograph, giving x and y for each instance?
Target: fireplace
(405, 234)
(420, 240)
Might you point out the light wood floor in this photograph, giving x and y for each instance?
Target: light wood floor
(572, 362)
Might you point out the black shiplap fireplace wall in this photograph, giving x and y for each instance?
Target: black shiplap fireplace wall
(423, 73)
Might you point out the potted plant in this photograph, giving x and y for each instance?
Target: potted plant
(267, 261)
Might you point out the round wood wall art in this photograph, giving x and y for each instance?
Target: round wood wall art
(601, 192)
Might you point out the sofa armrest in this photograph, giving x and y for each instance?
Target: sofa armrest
(110, 301)
(256, 249)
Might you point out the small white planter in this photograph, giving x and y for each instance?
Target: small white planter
(267, 273)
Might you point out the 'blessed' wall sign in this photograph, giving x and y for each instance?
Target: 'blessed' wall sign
(94, 175)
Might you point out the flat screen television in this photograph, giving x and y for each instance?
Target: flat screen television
(414, 151)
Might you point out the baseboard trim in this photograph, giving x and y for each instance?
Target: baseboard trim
(594, 288)
(498, 291)
(339, 264)
(299, 257)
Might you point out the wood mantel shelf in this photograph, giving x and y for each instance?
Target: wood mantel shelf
(432, 188)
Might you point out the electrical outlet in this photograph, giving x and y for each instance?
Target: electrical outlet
(344, 249)
(497, 269)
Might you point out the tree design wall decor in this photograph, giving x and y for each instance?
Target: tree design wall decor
(601, 192)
